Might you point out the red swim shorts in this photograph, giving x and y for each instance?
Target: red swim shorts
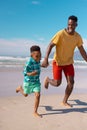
(57, 71)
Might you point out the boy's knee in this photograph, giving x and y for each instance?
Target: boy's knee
(37, 95)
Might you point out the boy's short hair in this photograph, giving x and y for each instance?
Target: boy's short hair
(34, 48)
(72, 17)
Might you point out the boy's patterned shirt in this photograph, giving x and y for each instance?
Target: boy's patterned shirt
(30, 66)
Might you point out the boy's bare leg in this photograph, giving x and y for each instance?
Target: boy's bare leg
(20, 89)
(37, 100)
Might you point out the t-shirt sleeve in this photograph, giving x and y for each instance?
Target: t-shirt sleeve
(56, 38)
(80, 41)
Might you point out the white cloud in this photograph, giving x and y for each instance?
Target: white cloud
(18, 47)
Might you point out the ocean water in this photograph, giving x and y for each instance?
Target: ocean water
(8, 61)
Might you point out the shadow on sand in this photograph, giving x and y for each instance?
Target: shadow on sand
(82, 109)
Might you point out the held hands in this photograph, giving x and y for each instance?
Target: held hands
(45, 63)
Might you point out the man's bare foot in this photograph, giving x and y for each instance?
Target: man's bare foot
(18, 89)
(66, 105)
(37, 115)
(46, 83)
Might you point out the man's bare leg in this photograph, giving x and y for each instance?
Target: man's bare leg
(68, 91)
(54, 83)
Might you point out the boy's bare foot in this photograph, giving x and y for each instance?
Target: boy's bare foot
(37, 115)
(46, 83)
(18, 89)
(66, 105)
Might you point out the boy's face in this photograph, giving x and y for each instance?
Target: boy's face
(36, 55)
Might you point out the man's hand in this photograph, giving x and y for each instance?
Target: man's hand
(45, 63)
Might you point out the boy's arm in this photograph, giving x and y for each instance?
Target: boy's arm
(32, 73)
(26, 70)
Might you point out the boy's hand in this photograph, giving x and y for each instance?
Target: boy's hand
(45, 63)
(32, 73)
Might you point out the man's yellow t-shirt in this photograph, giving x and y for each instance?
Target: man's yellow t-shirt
(65, 46)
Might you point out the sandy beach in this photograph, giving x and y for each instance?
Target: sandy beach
(16, 113)
(16, 110)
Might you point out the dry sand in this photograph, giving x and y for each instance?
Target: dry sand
(16, 113)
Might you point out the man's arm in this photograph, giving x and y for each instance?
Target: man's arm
(49, 48)
(83, 52)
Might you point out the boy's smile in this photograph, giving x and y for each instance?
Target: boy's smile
(36, 56)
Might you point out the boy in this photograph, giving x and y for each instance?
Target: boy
(31, 82)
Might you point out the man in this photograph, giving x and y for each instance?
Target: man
(65, 42)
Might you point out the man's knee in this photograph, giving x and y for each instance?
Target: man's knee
(70, 83)
(58, 82)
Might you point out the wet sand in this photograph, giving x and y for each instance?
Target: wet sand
(10, 78)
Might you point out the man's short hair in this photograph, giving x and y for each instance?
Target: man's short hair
(34, 48)
(72, 17)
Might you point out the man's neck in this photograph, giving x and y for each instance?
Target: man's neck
(70, 33)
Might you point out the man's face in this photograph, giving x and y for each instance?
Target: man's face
(71, 26)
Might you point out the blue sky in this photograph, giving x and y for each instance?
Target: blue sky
(27, 22)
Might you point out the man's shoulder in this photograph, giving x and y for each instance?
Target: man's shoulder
(60, 32)
(77, 34)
